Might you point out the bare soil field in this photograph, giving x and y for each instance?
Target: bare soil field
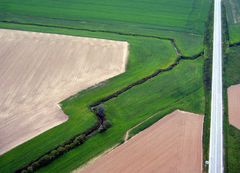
(234, 105)
(173, 144)
(39, 70)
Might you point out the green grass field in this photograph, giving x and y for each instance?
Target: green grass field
(233, 16)
(180, 88)
(232, 76)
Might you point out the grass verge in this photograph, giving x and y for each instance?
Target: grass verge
(231, 76)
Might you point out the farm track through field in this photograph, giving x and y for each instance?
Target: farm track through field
(128, 134)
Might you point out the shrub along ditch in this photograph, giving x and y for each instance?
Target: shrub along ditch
(102, 124)
(99, 31)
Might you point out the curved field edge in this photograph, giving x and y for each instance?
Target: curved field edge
(90, 120)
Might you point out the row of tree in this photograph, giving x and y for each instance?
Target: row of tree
(101, 126)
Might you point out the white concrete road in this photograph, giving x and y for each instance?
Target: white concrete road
(216, 130)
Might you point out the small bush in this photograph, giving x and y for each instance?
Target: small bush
(35, 165)
(79, 140)
(54, 154)
(106, 124)
(101, 129)
(44, 160)
(61, 150)
(30, 169)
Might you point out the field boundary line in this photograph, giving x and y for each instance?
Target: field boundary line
(172, 40)
(160, 28)
(47, 158)
(79, 139)
(126, 136)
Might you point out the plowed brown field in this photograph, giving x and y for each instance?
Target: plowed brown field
(38, 70)
(234, 105)
(172, 145)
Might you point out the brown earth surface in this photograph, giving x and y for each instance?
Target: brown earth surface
(234, 105)
(37, 71)
(171, 145)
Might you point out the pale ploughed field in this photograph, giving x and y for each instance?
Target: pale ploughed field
(37, 71)
(173, 144)
(234, 105)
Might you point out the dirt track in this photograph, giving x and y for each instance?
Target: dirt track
(172, 145)
(234, 105)
(38, 70)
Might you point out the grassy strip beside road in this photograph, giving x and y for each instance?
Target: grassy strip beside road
(207, 78)
(231, 74)
(232, 134)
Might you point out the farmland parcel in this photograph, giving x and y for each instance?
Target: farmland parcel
(173, 144)
(40, 70)
(233, 105)
(164, 36)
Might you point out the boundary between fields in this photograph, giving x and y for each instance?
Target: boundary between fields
(143, 80)
(101, 125)
(173, 42)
